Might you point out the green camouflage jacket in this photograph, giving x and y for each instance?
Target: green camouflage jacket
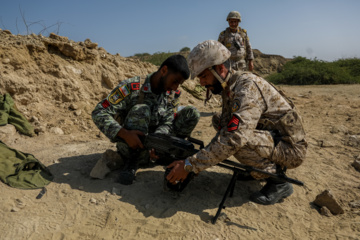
(110, 113)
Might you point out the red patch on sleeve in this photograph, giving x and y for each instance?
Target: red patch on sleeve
(105, 104)
(135, 86)
(233, 123)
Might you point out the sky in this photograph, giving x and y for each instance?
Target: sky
(324, 29)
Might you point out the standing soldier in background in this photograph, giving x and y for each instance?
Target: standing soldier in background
(237, 41)
(135, 108)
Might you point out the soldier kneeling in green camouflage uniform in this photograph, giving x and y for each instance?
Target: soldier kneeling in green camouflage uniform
(135, 108)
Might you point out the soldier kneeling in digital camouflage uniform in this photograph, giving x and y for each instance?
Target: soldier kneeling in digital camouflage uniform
(258, 125)
(135, 108)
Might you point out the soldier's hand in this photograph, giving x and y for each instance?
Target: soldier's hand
(131, 137)
(178, 173)
(251, 65)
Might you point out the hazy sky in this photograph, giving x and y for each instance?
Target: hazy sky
(326, 29)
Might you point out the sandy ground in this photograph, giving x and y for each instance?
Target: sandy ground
(78, 207)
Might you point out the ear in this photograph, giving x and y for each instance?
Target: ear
(221, 70)
(164, 70)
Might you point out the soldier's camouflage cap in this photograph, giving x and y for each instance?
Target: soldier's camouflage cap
(205, 55)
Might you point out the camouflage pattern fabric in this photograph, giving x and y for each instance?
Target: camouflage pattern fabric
(253, 109)
(239, 45)
(205, 55)
(138, 118)
(137, 108)
(109, 115)
(185, 117)
(185, 121)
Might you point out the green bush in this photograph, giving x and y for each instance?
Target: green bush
(302, 71)
(185, 49)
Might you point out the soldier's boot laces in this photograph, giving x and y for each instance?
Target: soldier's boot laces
(127, 175)
(274, 191)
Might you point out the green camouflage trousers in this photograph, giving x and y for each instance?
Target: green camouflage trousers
(138, 118)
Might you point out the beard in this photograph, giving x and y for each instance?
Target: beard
(217, 88)
(161, 86)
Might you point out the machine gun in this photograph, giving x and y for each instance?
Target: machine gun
(179, 149)
(172, 147)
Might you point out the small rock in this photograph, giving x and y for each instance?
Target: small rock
(7, 130)
(93, 200)
(14, 209)
(107, 80)
(77, 113)
(355, 204)
(356, 165)
(6, 60)
(90, 44)
(325, 211)
(326, 199)
(57, 131)
(353, 141)
(223, 217)
(19, 203)
(73, 106)
(81, 187)
(34, 119)
(115, 191)
(100, 169)
(8, 32)
(337, 129)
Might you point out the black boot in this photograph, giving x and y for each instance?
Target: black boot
(127, 175)
(273, 192)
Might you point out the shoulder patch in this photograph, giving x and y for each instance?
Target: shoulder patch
(235, 106)
(244, 30)
(118, 94)
(135, 86)
(233, 123)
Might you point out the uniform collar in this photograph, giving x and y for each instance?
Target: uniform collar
(147, 85)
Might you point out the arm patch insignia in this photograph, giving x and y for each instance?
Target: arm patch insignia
(105, 104)
(119, 94)
(135, 86)
(116, 96)
(233, 123)
(235, 106)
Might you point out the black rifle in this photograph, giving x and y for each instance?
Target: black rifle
(172, 147)
(178, 149)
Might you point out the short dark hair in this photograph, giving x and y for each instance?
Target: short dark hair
(177, 64)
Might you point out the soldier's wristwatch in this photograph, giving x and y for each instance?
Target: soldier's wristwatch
(188, 167)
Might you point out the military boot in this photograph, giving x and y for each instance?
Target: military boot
(127, 175)
(273, 191)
